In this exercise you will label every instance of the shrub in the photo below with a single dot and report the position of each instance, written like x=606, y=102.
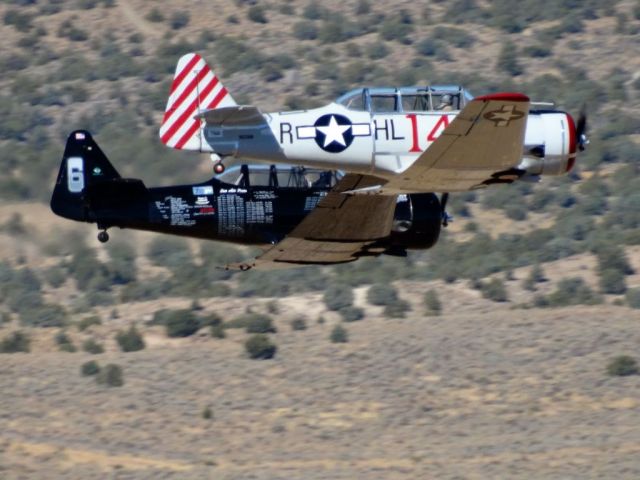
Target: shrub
x=397, y=309
x=612, y=281
x=257, y=323
x=217, y=331
x=572, y=291
x=494, y=290
x=339, y=334
x=508, y=60
x=207, y=414
x=179, y=20
x=131, y=340
x=259, y=346
x=15, y=342
x=181, y=323
x=623, y=365
x=256, y=14
x=88, y=322
x=337, y=297
x=432, y=302
x=382, y=294
x=210, y=320
x=90, y=368
x=64, y=342
x=633, y=297
x=298, y=324
x=351, y=314
x=155, y=15
x=92, y=347
x=110, y=375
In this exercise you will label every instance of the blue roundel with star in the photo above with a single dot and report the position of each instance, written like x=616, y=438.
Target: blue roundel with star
x=334, y=133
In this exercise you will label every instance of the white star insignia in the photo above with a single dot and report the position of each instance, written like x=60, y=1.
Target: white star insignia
x=334, y=132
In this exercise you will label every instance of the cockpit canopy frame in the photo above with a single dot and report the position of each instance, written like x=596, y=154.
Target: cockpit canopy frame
x=406, y=99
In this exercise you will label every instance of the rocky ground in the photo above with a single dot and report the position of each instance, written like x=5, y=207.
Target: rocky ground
x=490, y=393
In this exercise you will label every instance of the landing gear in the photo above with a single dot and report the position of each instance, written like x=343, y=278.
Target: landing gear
x=103, y=236
x=446, y=218
x=218, y=166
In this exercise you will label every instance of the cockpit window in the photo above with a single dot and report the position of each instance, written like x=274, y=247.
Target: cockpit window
x=415, y=103
x=384, y=103
x=355, y=101
x=291, y=176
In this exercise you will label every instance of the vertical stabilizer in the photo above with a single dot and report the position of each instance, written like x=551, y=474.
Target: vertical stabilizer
x=195, y=88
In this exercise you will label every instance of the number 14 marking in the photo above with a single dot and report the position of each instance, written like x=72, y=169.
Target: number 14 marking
x=435, y=132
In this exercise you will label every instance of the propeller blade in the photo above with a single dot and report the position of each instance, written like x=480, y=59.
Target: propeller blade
x=581, y=129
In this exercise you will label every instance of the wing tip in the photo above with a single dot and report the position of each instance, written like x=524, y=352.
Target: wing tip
x=504, y=97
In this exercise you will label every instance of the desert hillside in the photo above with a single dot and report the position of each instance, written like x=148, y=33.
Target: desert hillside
x=510, y=350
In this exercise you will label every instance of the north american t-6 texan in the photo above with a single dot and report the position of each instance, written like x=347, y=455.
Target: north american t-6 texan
x=357, y=177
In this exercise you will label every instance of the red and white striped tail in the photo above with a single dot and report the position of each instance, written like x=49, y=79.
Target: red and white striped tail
x=195, y=88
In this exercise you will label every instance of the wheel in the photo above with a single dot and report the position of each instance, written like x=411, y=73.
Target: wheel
x=103, y=237
x=218, y=168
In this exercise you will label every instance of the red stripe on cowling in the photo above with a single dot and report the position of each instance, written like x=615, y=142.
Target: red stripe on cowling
x=572, y=134
x=194, y=127
x=177, y=80
x=504, y=97
x=175, y=126
x=193, y=84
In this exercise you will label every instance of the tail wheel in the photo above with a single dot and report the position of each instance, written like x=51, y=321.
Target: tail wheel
x=103, y=236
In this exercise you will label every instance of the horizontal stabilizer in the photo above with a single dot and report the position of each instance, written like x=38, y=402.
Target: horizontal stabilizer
x=239, y=116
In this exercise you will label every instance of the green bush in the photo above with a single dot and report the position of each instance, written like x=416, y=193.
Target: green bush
x=633, y=297
x=179, y=20
x=218, y=331
x=92, y=347
x=256, y=14
x=131, y=340
x=210, y=320
x=64, y=342
x=181, y=323
x=336, y=297
x=339, y=334
x=397, y=309
x=382, y=294
x=432, y=303
x=259, y=346
x=351, y=314
x=494, y=290
x=572, y=291
x=207, y=413
x=299, y=323
x=612, y=281
x=88, y=322
x=90, y=368
x=623, y=365
x=15, y=342
x=111, y=376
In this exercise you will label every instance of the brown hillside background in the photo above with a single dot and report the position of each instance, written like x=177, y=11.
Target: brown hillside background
x=539, y=284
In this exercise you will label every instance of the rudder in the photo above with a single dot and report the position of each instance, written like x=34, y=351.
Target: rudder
x=83, y=165
x=195, y=88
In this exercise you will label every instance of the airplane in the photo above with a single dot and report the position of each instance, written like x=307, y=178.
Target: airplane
x=398, y=147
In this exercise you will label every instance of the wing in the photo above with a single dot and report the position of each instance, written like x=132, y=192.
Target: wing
x=482, y=145
x=338, y=230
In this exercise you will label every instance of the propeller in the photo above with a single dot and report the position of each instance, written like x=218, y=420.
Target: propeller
x=581, y=129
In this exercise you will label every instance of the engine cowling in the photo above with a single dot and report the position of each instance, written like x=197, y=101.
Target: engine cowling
x=550, y=143
x=417, y=221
